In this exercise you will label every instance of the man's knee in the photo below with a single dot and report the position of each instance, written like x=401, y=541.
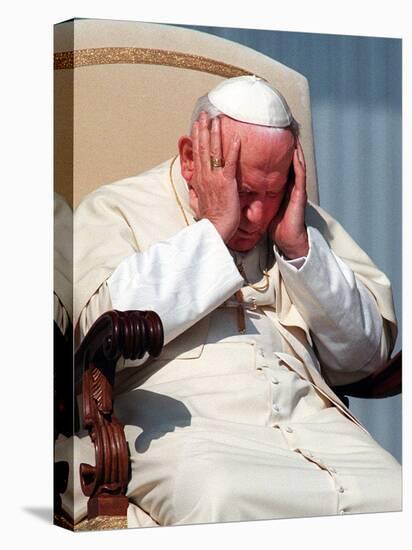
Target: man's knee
x=205, y=490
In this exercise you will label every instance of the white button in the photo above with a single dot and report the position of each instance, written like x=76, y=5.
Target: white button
x=275, y=408
x=289, y=429
x=341, y=511
x=259, y=368
x=275, y=380
x=341, y=489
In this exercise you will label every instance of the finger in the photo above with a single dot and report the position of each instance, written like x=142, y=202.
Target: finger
x=299, y=169
x=298, y=190
x=195, y=147
x=215, y=140
x=301, y=156
x=204, y=143
x=232, y=157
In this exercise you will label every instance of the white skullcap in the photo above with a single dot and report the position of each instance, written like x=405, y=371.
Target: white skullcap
x=251, y=99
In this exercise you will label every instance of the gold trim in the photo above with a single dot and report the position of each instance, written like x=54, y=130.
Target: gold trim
x=147, y=56
x=101, y=523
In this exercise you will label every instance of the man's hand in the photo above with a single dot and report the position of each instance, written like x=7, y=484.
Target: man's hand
x=213, y=191
x=288, y=228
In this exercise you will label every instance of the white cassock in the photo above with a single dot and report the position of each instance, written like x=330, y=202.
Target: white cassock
x=228, y=426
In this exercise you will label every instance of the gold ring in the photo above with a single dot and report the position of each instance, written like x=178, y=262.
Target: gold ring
x=216, y=163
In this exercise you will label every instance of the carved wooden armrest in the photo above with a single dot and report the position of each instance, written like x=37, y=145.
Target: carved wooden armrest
x=385, y=382
x=116, y=333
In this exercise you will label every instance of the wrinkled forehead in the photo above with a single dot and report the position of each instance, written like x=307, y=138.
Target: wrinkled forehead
x=254, y=138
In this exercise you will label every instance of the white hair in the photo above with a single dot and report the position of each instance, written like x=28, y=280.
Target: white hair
x=204, y=104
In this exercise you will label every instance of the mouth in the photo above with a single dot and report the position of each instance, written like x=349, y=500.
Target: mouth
x=247, y=234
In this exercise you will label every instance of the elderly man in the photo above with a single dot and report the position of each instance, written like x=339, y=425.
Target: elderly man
x=265, y=302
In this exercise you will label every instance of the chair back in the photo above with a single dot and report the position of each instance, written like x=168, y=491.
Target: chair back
x=124, y=94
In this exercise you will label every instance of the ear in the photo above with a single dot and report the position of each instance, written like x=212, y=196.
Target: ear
x=186, y=157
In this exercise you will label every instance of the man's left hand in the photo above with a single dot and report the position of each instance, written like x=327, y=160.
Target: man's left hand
x=288, y=229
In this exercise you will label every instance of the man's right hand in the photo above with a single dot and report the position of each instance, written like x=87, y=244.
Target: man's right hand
x=213, y=191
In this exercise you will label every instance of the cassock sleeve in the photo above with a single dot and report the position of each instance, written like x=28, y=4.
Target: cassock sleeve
x=182, y=279
x=351, y=338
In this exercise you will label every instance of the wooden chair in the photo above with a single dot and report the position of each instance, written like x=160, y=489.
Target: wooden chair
x=386, y=382
x=116, y=333
x=115, y=82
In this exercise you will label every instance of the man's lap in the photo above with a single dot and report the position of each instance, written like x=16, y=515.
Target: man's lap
x=213, y=472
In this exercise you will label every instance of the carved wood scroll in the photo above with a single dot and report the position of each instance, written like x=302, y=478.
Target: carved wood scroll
x=116, y=333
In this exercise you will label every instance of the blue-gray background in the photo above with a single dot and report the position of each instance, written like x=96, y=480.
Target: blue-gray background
x=356, y=94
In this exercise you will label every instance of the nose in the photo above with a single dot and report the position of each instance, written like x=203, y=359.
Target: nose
x=254, y=211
